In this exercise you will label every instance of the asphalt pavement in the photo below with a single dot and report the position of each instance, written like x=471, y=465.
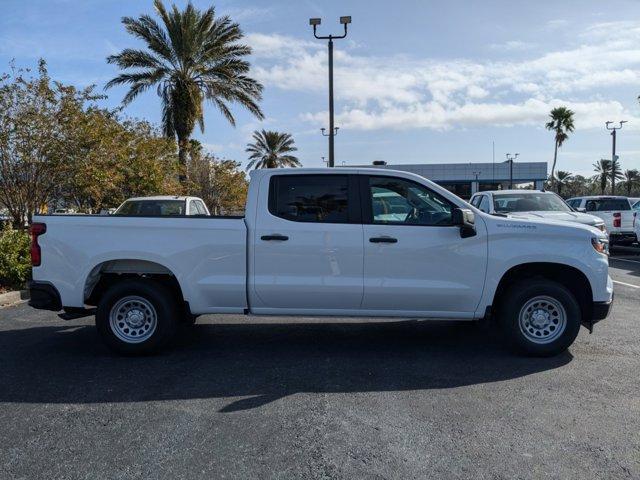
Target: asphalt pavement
x=289, y=398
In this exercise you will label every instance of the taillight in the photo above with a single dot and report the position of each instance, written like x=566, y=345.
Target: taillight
x=617, y=219
x=36, y=230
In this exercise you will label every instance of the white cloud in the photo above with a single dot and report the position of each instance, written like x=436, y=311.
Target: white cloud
x=512, y=45
x=401, y=92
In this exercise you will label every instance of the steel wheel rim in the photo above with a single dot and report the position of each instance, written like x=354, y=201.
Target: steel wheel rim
x=542, y=320
x=133, y=319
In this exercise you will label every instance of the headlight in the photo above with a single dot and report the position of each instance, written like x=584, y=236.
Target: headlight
x=600, y=245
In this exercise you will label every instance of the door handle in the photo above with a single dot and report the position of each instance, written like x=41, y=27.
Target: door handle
x=276, y=236
x=383, y=240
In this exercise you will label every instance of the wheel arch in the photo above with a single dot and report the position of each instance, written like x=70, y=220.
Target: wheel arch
x=108, y=272
x=570, y=277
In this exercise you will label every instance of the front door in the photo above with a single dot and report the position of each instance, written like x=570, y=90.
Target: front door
x=415, y=261
x=308, y=248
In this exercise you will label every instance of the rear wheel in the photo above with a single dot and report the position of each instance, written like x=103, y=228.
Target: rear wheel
x=540, y=317
x=136, y=317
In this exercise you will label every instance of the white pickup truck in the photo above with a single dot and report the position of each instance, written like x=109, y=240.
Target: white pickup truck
x=616, y=212
x=324, y=242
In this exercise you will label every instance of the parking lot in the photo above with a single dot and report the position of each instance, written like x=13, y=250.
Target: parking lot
x=294, y=398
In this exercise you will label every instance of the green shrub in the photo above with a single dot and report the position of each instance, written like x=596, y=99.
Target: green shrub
x=15, y=261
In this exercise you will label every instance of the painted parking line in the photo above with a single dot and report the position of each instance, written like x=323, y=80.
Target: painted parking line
x=627, y=284
x=624, y=260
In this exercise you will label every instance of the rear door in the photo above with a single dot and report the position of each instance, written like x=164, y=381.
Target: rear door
x=415, y=262
x=308, y=245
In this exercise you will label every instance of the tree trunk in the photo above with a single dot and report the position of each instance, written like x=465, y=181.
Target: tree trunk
x=183, y=150
x=553, y=167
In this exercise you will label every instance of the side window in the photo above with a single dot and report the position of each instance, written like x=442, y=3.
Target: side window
x=193, y=209
x=575, y=203
x=200, y=207
x=475, y=201
x=591, y=206
x=310, y=198
x=484, y=204
x=398, y=201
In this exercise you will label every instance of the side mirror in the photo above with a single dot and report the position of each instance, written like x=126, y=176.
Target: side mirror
x=465, y=220
x=581, y=210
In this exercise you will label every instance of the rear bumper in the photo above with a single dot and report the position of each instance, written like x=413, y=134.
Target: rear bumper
x=623, y=237
x=44, y=296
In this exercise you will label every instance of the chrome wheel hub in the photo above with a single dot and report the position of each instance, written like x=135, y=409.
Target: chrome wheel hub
x=542, y=319
x=133, y=319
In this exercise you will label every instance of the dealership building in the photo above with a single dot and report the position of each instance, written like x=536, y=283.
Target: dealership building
x=465, y=179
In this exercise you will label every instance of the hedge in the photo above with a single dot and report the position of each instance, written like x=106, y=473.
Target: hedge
x=15, y=261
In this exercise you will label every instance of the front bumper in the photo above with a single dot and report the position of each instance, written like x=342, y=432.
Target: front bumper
x=44, y=296
x=599, y=311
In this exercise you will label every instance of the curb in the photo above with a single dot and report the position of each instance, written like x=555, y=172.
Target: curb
x=10, y=298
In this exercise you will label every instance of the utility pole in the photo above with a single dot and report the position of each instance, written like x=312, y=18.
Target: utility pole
x=332, y=129
x=614, y=158
x=510, y=159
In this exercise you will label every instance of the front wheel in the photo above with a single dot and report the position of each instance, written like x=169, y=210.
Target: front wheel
x=136, y=317
x=540, y=317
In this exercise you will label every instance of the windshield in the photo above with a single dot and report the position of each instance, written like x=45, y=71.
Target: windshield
x=529, y=202
x=152, y=208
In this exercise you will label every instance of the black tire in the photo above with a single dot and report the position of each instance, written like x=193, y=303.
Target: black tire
x=188, y=319
x=164, y=306
x=517, y=297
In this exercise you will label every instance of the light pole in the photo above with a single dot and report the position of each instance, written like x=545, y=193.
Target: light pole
x=332, y=130
x=613, y=153
x=510, y=159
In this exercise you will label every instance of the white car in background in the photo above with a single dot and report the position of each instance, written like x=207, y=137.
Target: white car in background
x=163, y=206
x=532, y=204
x=615, y=211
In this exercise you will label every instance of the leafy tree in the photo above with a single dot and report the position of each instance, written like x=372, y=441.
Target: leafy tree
x=113, y=159
x=35, y=118
x=58, y=148
x=561, y=124
x=603, y=173
x=562, y=179
x=631, y=180
x=271, y=149
x=219, y=182
x=192, y=57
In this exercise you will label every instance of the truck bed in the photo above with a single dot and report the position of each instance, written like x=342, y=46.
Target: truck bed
x=206, y=255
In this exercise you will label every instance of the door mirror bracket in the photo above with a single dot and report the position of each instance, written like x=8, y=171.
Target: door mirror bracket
x=465, y=219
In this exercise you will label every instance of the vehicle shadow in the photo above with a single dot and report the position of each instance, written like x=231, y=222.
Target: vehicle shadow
x=259, y=362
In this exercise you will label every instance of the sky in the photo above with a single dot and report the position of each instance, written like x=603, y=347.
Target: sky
x=415, y=81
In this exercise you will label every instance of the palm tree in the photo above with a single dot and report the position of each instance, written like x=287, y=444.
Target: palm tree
x=192, y=57
x=562, y=178
x=603, y=170
x=562, y=124
x=270, y=150
x=616, y=174
x=631, y=180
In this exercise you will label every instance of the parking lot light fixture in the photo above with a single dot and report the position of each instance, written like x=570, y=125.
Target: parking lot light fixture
x=613, y=152
x=314, y=22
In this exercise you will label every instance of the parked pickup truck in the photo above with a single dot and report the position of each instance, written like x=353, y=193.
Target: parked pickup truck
x=531, y=204
x=324, y=242
x=616, y=212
